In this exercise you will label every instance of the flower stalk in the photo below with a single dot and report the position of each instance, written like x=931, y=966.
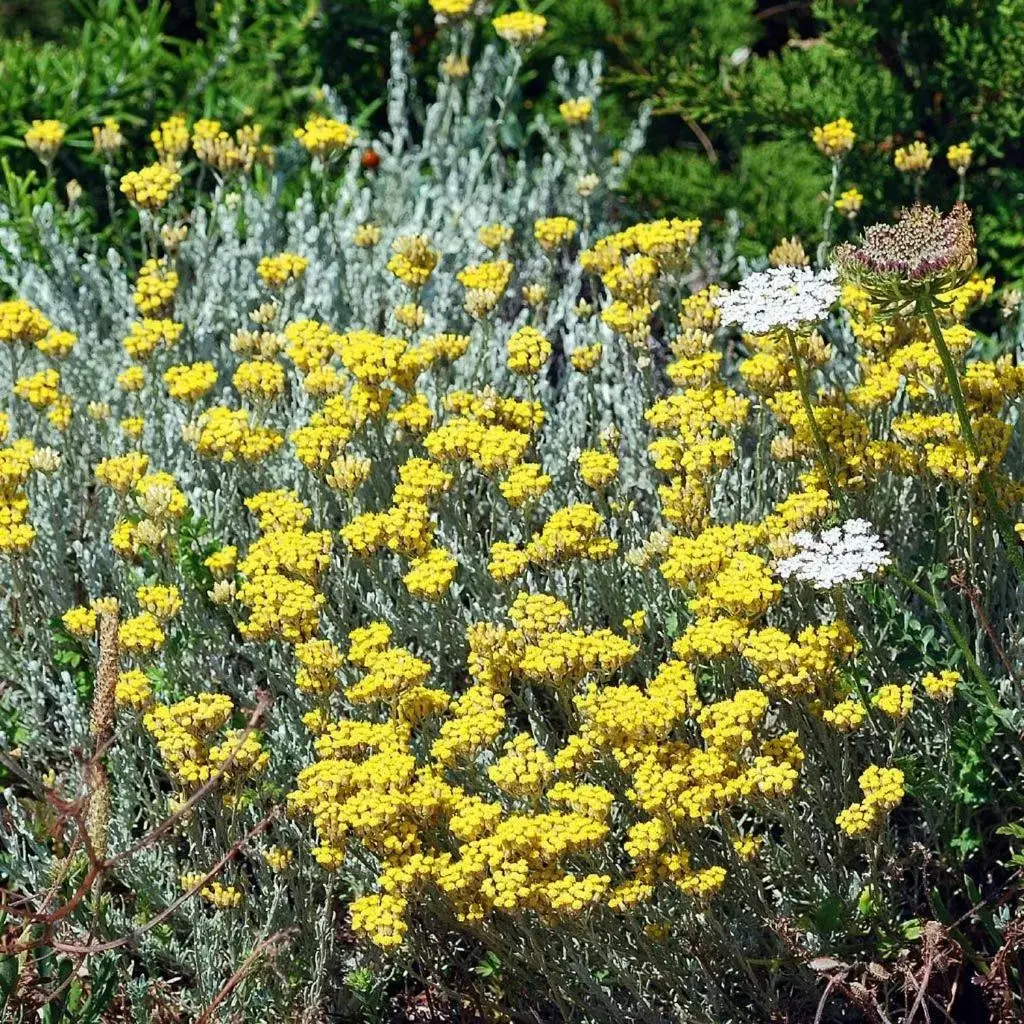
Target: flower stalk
x=926, y=309
x=819, y=438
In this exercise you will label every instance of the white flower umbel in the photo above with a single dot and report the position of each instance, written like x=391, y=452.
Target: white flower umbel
x=848, y=553
x=790, y=297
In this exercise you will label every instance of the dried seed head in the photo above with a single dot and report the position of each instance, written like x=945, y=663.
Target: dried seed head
x=97, y=818
x=923, y=253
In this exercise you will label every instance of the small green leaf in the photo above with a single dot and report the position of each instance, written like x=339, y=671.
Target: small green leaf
x=1012, y=829
x=489, y=967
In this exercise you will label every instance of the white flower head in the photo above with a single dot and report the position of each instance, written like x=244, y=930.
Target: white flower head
x=792, y=297
x=848, y=553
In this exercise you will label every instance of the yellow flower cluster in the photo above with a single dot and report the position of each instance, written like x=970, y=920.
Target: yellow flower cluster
x=630, y=264
x=122, y=472
x=158, y=497
x=552, y=232
x=80, y=621
x=485, y=284
x=57, y=344
x=107, y=138
x=141, y=635
x=413, y=260
x=668, y=242
x=576, y=111
x=155, y=287
x=598, y=469
x=431, y=575
x=941, y=686
x=632, y=282
x=162, y=602
x=520, y=27
x=491, y=449
x=913, y=158
x=282, y=569
x=528, y=351
x=411, y=315
x=40, y=390
x=171, y=139
x=896, y=357
x=184, y=734
x=834, y=139
x=494, y=236
x=222, y=562
x=883, y=790
x=524, y=482
x=452, y=9
x=278, y=858
x=366, y=236
x=45, y=138
x=220, y=896
x=570, y=533
x=229, y=434
x=323, y=137
x=190, y=382
x=16, y=466
x=960, y=156
x=850, y=202
x=147, y=335
x=215, y=147
x=894, y=701
x=133, y=690
x=277, y=271
x=150, y=188
x=259, y=379
x=21, y=322
x=586, y=357
x=807, y=665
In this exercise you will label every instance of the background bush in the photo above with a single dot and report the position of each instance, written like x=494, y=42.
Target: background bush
x=736, y=87
x=733, y=122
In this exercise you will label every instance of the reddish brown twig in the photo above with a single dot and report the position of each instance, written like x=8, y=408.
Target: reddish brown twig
x=269, y=944
x=103, y=947
x=958, y=577
x=76, y=810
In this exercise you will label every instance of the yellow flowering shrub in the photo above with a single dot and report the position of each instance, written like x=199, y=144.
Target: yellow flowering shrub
x=442, y=570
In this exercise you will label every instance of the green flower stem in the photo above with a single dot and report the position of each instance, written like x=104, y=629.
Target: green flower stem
x=826, y=227
x=816, y=434
x=926, y=308
x=939, y=607
x=932, y=600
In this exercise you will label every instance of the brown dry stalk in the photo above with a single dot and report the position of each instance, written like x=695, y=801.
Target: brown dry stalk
x=101, y=725
x=77, y=810
x=268, y=947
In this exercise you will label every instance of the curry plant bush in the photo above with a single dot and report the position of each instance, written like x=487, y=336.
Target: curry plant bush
x=425, y=595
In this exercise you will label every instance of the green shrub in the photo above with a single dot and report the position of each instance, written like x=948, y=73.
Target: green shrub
x=949, y=73
x=249, y=61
